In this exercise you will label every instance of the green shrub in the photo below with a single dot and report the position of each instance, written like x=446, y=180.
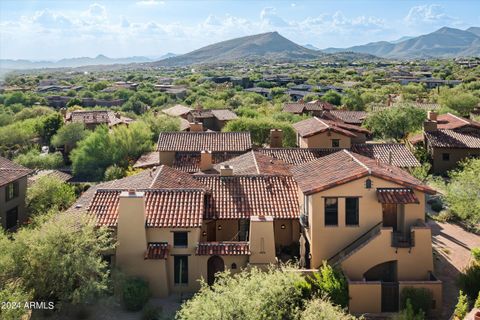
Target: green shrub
x=13, y=291
x=114, y=172
x=476, y=254
x=408, y=313
x=150, y=312
x=469, y=281
x=437, y=206
x=33, y=159
x=320, y=309
x=461, y=308
x=420, y=298
x=332, y=283
x=477, y=302
x=135, y=294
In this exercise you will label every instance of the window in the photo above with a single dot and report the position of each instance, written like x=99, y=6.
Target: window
x=12, y=218
x=351, y=211
x=11, y=191
x=243, y=229
x=446, y=156
x=180, y=239
x=180, y=272
x=331, y=211
x=335, y=143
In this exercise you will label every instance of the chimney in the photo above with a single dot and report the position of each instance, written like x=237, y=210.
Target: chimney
x=432, y=116
x=196, y=126
x=226, y=171
x=206, y=160
x=131, y=232
x=429, y=126
x=276, y=138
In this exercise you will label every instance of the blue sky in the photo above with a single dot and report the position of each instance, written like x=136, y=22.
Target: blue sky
x=58, y=29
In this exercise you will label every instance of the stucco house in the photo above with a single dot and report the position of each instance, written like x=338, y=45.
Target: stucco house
x=93, y=118
x=13, y=189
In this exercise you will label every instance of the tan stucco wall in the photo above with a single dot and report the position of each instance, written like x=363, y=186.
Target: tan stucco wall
x=326, y=241
x=291, y=233
x=166, y=157
x=262, y=242
x=16, y=202
x=365, y=297
x=456, y=155
x=324, y=140
x=434, y=286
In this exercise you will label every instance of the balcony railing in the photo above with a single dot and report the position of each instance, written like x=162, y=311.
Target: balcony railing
x=403, y=240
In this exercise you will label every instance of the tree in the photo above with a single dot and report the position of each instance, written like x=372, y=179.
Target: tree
x=13, y=291
x=74, y=102
x=114, y=172
x=321, y=309
x=332, y=283
x=461, y=102
x=69, y=135
x=352, y=100
x=461, y=308
x=161, y=123
x=33, y=159
x=395, y=123
x=60, y=259
x=332, y=97
x=49, y=125
x=49, y=193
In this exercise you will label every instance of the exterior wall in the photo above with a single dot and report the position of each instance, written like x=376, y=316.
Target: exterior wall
x=440, y=166
x=326, y=241
x=16, y=202
x=287, y=236
x=412, y=263
x=167, y=157
x=360, y=138
x=262, y=242
x=434, y=286
x=324, y=140
x=365, y=297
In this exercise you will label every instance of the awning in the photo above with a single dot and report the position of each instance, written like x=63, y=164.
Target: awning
x=223, y=248
x=396, y=195
x=157, y=250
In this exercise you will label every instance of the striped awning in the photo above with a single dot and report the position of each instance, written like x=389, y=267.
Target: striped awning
x=239, y=248
x=396, y=195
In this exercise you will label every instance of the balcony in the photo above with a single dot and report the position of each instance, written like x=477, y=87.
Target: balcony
x=403, y=240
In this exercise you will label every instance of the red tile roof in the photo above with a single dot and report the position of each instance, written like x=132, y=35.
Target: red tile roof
x=352, y=117
x=400, y=155
x=97, y=117
x=169, y=178
x=157, y=250
x=224, y=114
x=223, y=248
x=240, y=197
x=451, y=121
x=177, y=110
x=304, y=107
x=295, y=156
x=396, y=195
x=313, y=126
x=254, y=162
x=452, y=139
x=190, y=161
x=148, y=160
x=344, y=166
x=10, y=171
x=198, y=141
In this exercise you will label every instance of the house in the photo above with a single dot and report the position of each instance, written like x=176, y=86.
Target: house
x=178, y=92
x=173, y=228
x=449, y=139
x=396, y=154
x=348, y=117
x=297, y=95
x=178, y=110
x=367, y=218
x=13, y=189
x=315, y=108
x=93, y=118
x=322, y=133
x=214, y=119
x=266, y=93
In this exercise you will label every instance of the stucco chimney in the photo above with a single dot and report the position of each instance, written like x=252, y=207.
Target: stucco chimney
x=432, y=115
x=429, y=125
x=226, y=171
x=262, y=240
x=196, y=126
x=131, y=232
x=276, y=138
x=206, y=162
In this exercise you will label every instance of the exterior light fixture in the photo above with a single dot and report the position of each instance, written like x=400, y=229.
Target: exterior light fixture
x=368, y=184
x=204, y=233
x=283, y=226
x=219, y=227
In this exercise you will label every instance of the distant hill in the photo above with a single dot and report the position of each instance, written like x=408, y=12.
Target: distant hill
x=268, y=46
x=311, y=47
x=443, y=43
x=71, y=62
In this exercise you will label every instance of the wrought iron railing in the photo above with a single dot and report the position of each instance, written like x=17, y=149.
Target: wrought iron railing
x=403, y=240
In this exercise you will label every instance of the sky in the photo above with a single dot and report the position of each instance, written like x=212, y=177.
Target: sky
x=52, y=30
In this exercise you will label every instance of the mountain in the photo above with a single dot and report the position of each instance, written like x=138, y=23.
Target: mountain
x=401, y=39
x=69, y=63
x=311, y=47
x=266, y=46
x=443, y=43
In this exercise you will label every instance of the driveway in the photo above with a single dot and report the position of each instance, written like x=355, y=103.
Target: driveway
x=452, y=245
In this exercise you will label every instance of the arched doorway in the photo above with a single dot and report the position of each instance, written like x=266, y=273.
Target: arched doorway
x=215, y=264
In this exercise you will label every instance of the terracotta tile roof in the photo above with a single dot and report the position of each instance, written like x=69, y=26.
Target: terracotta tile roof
x=169, y=178
x=167, y=208
x=223, y=248
x=148, y=160
x=344, y=166
x=396, y=195
x=452, y=139
x=62, y=176
x=190, y=161
x=10, y=171
x=198, y=141
x=177, y=111
x=451, y=121
x=184, y=124
x=157, y=250
x=97, y=117
x=295, y=156
x=224, y=114
x=352, y=117
x=254, y=162
x=313, y=126
x=401, y=156
x=240, y=197
x=303, y=107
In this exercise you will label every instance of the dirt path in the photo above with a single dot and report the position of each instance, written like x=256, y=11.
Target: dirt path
x=452, y=245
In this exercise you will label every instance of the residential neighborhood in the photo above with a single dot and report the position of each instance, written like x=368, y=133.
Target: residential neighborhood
x=263, y=173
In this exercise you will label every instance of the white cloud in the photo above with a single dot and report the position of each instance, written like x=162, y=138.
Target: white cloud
x=431, y=14
x=270, y=17
x=48, y=19
x=150, y=3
